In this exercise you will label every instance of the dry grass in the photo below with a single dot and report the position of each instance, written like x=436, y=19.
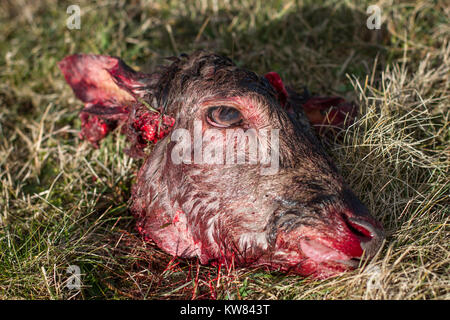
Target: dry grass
x=63, y=203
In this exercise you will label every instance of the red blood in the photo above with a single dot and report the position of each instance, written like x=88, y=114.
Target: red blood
x=93, y=128
x=153, y=127
x=276, y=82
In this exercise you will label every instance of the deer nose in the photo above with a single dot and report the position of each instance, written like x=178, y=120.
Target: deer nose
x=370, y=233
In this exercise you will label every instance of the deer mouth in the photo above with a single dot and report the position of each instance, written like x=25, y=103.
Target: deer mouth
x=322, y=254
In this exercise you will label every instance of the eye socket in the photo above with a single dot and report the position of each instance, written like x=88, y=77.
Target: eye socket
x=223, y=116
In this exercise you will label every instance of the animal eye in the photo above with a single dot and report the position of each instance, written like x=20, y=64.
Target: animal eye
x=223, y=117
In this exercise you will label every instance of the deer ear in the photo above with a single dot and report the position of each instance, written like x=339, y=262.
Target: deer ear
x=321, y=111
x=103, y=80
x=276, y=82
x=108, y=87
x=330, y=111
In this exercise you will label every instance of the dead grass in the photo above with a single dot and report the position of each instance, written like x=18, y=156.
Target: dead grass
x=63, y=203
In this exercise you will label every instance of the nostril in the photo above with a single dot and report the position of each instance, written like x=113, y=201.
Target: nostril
x=362, y=229
x=370, y=235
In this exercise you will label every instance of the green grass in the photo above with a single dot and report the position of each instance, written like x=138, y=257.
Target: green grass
x=64, y=203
